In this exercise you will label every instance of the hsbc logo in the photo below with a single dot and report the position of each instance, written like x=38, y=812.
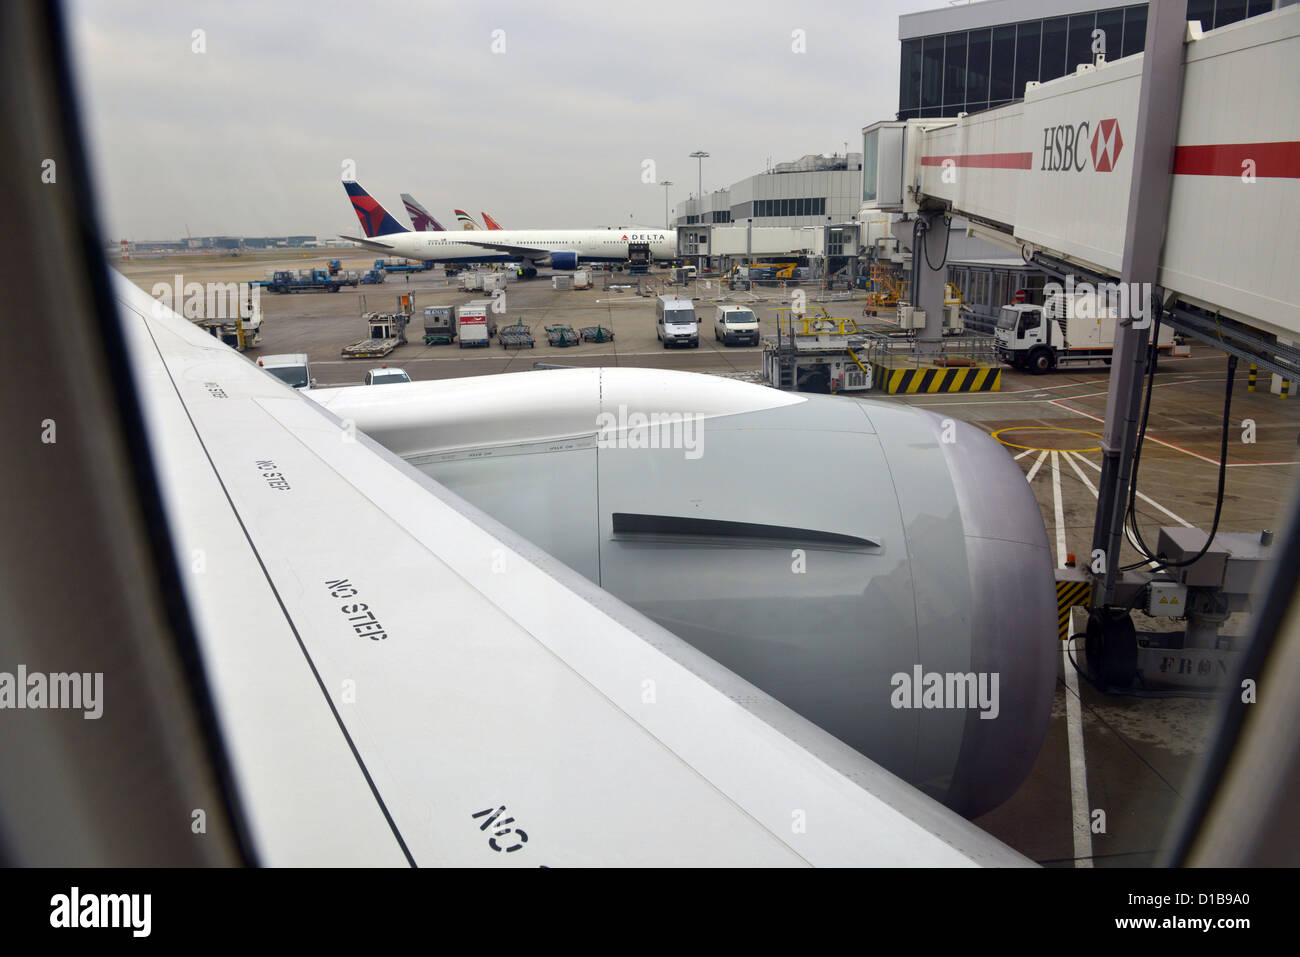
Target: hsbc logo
x=1070, y=148
x=1106, y=144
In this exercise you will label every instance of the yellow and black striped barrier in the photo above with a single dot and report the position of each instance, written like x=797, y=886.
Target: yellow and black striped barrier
x=937, y=379
x=1069, y=594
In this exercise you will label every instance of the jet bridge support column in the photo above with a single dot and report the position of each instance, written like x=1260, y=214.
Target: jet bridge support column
x=1148, y=208
x=927, y=235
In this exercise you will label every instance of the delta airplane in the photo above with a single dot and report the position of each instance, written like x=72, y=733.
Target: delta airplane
x=556, y=248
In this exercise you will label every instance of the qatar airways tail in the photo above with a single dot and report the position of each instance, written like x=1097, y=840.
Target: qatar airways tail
x=421, y=218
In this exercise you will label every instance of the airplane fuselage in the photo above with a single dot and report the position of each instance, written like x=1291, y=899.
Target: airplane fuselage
x=589, y=245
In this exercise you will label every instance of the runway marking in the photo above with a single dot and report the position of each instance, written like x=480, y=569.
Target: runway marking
x=1080, y=818
x=1146, y=498
x=1044, y=428
x=1034, y=471
x=1060, y=403
x=1024, y=453
x=1128, y=530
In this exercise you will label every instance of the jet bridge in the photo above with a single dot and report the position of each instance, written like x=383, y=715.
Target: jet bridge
x=1177, y=173
x=1053, y=174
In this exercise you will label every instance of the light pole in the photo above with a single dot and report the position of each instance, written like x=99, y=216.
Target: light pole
x=699, y=155
x=665, y=184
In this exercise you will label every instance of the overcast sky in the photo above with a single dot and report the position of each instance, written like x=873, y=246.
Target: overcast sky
x=250, y=136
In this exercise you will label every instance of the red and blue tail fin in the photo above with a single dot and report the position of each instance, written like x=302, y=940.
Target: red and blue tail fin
x=375, y=220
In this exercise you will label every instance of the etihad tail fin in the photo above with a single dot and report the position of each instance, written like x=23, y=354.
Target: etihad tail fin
x=466, y=220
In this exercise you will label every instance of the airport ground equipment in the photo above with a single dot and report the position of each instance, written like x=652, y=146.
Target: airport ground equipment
x=372, y=277
x=562, y=336
x=638, y=258
x=582, y=279
x=439, y=325
x=516, y=337
x=561, y=282
x=945, y=570
x=385, y=331
x=303, y=280
x=597, y=334
x=1109, y=176
x=334, y=266
x=1063, y=331
x=398, y=265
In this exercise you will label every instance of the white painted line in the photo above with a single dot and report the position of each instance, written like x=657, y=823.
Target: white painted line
x=1023, y=454
x=1128, y=530
x=1034, y=471
x=1059, y=507
x=1146, y=498
x=1079, y=816
x=1080, y=819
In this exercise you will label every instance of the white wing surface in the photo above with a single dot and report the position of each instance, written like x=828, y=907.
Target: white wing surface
x=400, y=680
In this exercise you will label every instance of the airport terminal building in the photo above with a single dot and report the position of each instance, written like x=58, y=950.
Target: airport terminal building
x=980, y=55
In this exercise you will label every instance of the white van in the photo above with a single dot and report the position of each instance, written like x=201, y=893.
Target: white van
x=735, y=325
x=290, y=368
x=675, y=322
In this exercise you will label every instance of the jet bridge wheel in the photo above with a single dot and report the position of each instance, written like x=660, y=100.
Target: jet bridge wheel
x=1111, y=647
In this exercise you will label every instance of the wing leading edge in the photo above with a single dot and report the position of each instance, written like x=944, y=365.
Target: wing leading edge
x=400, y=680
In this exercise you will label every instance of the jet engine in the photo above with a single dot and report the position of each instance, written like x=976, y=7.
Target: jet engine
x=879, y=570
x=564, y=260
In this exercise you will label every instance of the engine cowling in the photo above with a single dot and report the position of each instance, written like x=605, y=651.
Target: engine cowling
x=564, y=260
x=881, y=571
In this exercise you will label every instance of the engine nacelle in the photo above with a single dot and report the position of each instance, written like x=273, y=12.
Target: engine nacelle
x=882, y=572
x=564, y=260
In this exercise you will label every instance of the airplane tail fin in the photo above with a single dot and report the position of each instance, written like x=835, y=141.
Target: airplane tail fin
x=466, y=220
x=375, y=220
x=490, y=222
x=421, y=218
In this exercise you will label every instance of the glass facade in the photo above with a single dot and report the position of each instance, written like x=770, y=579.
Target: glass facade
x=972, y=70
x=815, y=206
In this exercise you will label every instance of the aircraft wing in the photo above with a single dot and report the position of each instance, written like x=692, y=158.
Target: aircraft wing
x=523, y=252
x=374, y=244
x=400, y=680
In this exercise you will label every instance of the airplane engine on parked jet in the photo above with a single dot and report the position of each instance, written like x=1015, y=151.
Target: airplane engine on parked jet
x=564, y=260
x=879, y=570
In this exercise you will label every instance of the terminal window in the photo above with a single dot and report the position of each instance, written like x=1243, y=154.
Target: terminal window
x=972, y=70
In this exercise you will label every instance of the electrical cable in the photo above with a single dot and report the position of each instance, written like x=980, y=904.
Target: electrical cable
x=1130, y=516
x=925, y=246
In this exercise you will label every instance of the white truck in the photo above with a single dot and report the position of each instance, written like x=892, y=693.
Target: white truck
x=290, y=368
x=582, y=279
x=735, y=325
x=1065, y=330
